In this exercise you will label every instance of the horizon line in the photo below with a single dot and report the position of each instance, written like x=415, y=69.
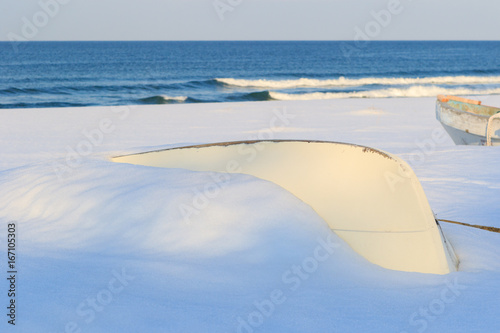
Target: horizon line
x=253, y=40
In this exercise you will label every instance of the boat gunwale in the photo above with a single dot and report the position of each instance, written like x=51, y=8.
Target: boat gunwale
x=365, y=149
x=446, y=105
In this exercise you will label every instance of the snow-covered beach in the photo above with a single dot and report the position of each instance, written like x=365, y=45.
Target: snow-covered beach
x=107, y=247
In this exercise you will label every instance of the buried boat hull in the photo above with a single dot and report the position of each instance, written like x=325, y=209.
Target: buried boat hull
x=466, y=120
x=371, y=199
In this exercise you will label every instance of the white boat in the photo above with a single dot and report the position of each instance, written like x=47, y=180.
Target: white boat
x=468, y=122
x=370, y=198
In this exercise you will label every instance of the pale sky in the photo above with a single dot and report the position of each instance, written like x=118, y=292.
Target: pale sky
x=249, y=19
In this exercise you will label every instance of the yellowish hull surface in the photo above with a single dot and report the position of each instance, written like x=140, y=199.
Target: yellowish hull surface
x=370, y=198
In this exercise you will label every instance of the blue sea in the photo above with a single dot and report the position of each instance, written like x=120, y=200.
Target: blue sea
x=63, y=74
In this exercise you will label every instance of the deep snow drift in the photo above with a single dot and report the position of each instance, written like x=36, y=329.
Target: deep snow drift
x=106, y=247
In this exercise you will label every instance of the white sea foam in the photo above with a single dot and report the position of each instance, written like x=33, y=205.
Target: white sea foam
x=342, y=81
x=415, y=91
x=174, y=98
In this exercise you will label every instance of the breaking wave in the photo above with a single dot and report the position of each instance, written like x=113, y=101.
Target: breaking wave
x=414, y=91
x=346, y=82
x=163, y=99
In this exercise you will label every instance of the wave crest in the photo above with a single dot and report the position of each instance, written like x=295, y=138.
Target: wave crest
x=163, y=99
x=415, y=91
x=345, y=82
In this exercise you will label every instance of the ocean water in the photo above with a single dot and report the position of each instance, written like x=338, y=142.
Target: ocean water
x=61, y=74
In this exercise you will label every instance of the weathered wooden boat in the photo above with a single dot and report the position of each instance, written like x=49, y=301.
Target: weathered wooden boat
x=368, y=197
x=468, y=122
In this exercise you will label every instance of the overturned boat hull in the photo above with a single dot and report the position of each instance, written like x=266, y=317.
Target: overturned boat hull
x=370, y=198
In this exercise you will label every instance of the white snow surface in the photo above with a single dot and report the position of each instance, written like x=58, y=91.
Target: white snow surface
x=107, y=247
